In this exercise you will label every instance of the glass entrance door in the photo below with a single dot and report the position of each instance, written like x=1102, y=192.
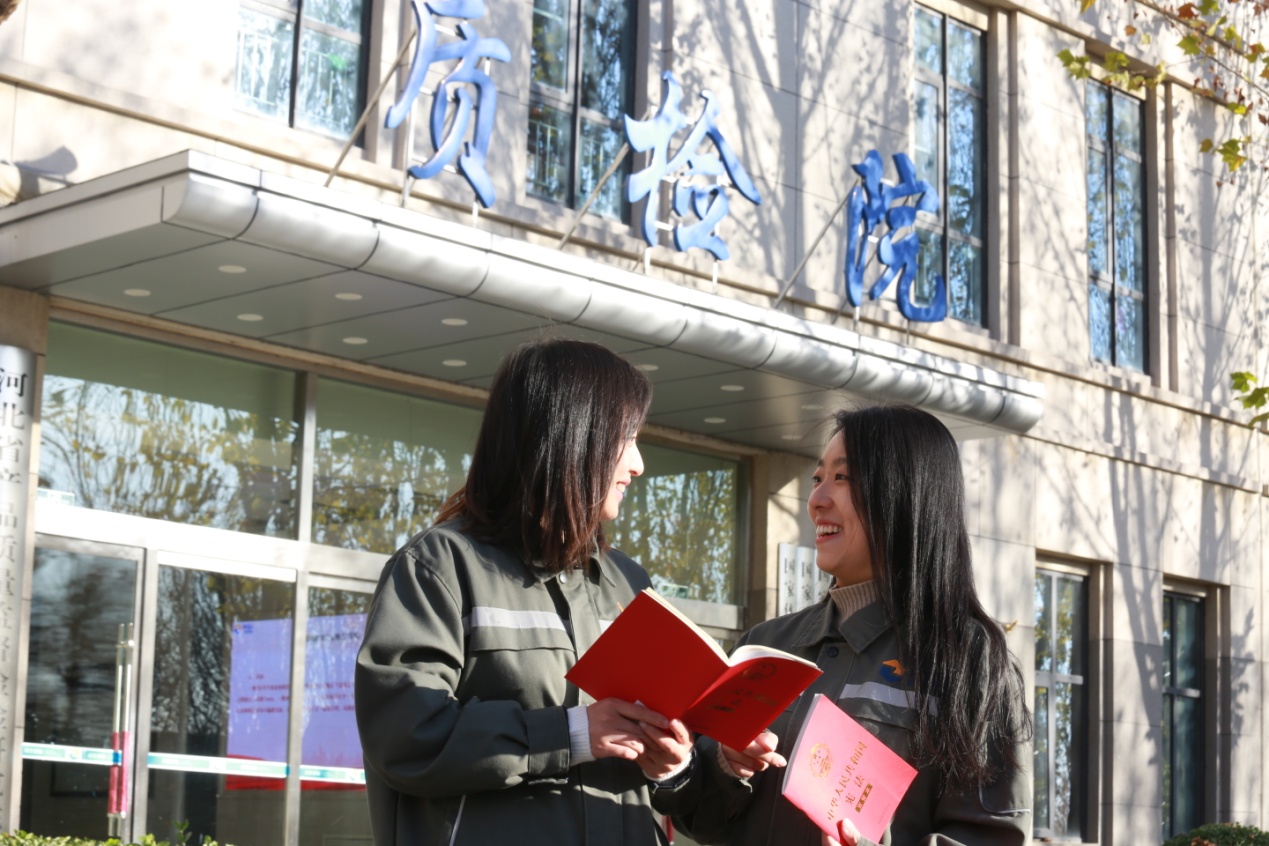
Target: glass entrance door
x=77, y=749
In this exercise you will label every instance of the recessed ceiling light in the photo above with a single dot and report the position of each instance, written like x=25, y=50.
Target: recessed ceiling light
x=715, y=419
x=349, y=296
x=810, y=406
x=232, y=268
x=454, y=362
x=733, y=388
x=355, y=341
x=136, y=292
x=453, y=321
x=251, y=318
x=648, y=368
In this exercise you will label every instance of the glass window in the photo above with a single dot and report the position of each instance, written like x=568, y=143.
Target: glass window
x=1183, y=747
x=681, y=521
x=141, y=428
x=384, y=463
x=220, y=713
x=1116, y=227
x=582, y=60
x=333, y=803
x=1061, y=733
x=79, y=605
x=950, y=146
x=303, y=62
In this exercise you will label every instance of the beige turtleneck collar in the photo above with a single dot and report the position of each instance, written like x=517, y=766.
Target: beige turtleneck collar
x=852, y=598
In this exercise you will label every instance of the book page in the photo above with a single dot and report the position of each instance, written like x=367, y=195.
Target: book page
x=753, y=651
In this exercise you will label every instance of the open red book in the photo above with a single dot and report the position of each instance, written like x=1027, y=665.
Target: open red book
x=653, y=654
x=839, y=769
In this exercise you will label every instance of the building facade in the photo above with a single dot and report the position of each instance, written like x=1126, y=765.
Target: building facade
x=245, y=337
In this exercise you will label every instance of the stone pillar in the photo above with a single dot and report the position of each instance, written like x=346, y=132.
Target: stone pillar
x=23, y=336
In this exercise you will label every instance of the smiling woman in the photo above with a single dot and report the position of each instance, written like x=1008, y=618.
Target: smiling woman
x=470, y=732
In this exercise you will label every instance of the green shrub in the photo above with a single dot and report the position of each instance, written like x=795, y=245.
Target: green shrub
x=25, y=838
x=1218, y=834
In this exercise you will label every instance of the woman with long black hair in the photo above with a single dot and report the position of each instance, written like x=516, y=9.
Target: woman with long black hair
x=906, y=648
x=471, y=734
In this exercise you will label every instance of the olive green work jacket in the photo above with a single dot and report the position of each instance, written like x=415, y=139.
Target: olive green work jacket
x=862, y=674
x=461, y=698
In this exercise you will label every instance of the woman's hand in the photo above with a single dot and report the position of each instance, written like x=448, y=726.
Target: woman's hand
x=756, y=757
x=615, y=730
x=667, y=749
x=847, y=835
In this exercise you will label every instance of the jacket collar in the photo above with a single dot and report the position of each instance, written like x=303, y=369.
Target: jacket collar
x=821, y=622
x=599, y=565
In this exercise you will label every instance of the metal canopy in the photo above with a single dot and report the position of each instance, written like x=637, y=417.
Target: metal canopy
x=205, y=242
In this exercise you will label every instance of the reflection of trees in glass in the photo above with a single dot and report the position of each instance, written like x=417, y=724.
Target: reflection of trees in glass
x=193, y=651
x=77, y=605
x=384, y=464
x=133, y=451
x=683, y=527
x=1059, y=702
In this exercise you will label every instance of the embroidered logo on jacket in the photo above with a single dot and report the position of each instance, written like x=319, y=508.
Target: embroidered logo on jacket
x=891, y=671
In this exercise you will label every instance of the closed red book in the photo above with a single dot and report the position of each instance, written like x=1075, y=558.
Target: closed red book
x=839, y=769
x=655, y=655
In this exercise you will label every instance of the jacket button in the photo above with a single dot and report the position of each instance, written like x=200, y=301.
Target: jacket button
x=832, y=652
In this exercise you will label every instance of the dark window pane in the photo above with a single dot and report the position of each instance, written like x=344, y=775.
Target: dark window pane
x=1043, y=625
x=384, y=463
x=1130, y=252
x=681, y=519
x=965, y=282
x=929, y=264
x=1068, y=722
x=1041, y=758
x=1187, y=771
x=345, y=14
x=599, y=146
x=607, y=57
x=549, y=53
x=1130, y=333
x=1168, y=662
x=262, y=77
x=1070, y=627
x=1099, y=322
x=1168, y=829
x=550, y=151
x=142, y=428
x=926, y=141
x=929, y=40
x=1098, y=215
x=330, y=83
x=964, y=55
x=1187, y=635
x=965, y=160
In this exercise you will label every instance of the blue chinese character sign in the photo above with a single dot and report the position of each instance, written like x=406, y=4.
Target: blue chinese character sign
x=467, y=51
x=868, y=205
x=707, y=201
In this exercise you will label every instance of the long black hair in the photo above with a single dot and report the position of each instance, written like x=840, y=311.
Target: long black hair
x=908, y=490
x=559, y=413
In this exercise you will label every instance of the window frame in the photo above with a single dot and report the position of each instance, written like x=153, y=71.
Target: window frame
x=294, y=15
x=1106, y=280
x=568, y=100
x=938, y=226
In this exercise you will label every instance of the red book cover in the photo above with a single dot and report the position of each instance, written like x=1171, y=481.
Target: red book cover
x=839, y=769
x=653, y=654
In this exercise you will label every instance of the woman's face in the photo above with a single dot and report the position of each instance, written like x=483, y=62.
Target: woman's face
x=629, y=465
x=841, y=546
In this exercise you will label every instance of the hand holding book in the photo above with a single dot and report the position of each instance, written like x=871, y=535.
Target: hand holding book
x=655, y=655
